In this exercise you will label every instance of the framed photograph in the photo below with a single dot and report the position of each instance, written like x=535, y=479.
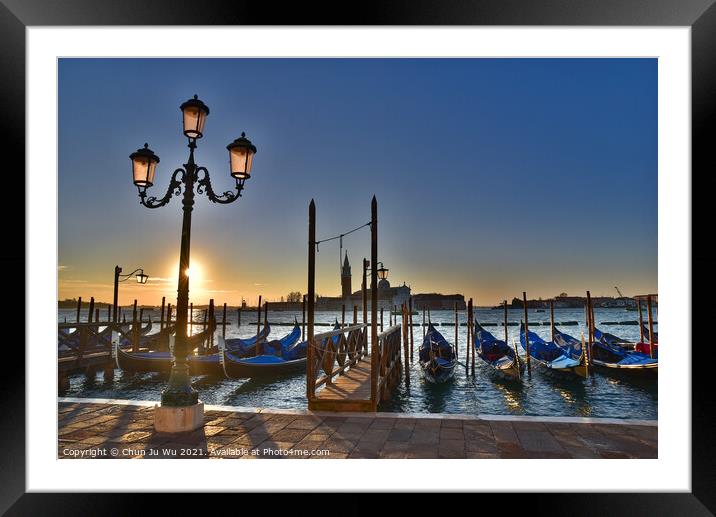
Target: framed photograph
x=437, y=240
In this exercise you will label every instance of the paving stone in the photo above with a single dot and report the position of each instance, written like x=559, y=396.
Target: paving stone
x=510, y=450
x=450, y=453
x=338, y=445
x=401, y=435
x=383, y=423
x=449, y=423
x=486, y=446
x=528, y=426
x=377, y=435
x=425, y=437
x=290, y=435
x=304, y=423
x=504, y=432
x=481, y=455
x=541, y=441
x=451, y=434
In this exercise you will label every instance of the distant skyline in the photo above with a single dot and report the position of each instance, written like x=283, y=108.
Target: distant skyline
x=493, y=176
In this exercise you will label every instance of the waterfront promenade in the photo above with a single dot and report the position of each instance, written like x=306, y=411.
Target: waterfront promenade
x=95, y=428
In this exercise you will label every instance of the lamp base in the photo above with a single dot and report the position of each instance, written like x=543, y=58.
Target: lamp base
x=178, y=419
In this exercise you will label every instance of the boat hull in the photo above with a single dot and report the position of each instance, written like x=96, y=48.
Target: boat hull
x=244, y=369
x=437, y=375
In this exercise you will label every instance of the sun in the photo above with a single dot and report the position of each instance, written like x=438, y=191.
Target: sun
x=196, y=274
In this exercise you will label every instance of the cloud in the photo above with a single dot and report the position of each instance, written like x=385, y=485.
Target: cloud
x=63, y=268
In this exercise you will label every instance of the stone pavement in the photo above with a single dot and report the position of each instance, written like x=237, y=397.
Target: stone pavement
x=116, y=430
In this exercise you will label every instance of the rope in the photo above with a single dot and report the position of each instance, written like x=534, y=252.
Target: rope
x=340, y=236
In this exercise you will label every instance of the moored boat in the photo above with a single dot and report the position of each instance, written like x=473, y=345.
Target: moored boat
x=498, y=354
x=610, y=358
x=548, y=354
x=437, y=357
x=285, y=355
x=161, y=361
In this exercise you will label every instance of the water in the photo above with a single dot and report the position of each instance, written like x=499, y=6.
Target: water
x=538, y=394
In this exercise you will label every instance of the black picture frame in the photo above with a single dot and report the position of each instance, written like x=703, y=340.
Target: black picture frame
x=700, y=15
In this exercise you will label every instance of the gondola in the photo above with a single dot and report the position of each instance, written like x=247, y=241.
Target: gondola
x=612, y=358
x=612, y=340
x=549, y=354
x=437, y=357
x=246, y=347
x=69, y=342
x=152, y=361
x=276, y=357
x=498, y=354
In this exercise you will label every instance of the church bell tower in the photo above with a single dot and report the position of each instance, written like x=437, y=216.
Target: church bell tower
x=346, y=278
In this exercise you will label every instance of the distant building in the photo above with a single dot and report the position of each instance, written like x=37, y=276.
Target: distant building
x=437, y=302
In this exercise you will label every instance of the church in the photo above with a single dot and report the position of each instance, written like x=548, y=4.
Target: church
x=388, y=297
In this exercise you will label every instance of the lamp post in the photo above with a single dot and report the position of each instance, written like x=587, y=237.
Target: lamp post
x=119, y=277
x=382, y=274
x=179, y=392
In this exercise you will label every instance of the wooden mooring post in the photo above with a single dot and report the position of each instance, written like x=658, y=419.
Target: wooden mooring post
x=364, y=292
x=135, y=329
x=527, y=331
x=258, y=321
x=651, y=326
x=303, y=319
x=423, y=322
x=96, y=315
x=381, y=319
x=374, y=301
x=590, y=333
x=410, y=319
x=355, y=315
x=641, y=321
x=238, y=318
x=310, y=386
x=191, y=318
x=551, y=319
x=470, y=336
x=169, y=314
x=79, y=307
x=223, y=323
x=406, y=345
x=90, y=310
x=456, y=329
x=161, y=315
x=507, y=342
x=343, y=315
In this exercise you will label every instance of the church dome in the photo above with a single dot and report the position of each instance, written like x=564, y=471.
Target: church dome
x=383, y=284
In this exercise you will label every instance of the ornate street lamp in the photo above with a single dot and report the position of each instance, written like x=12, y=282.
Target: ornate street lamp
x=179, y=392
x=382, y=271
x=119, y=277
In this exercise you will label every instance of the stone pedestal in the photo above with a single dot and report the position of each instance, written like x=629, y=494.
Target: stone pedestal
x=170, y=419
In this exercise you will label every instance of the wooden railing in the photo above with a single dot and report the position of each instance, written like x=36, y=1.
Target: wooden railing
x=387, y=363
x=328, y=356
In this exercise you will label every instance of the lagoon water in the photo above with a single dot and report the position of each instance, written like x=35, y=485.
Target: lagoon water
x=537, y=394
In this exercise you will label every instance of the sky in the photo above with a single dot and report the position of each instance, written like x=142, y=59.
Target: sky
x=493, y=176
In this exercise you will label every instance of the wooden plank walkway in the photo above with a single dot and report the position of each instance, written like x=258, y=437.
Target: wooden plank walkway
x=348, y=392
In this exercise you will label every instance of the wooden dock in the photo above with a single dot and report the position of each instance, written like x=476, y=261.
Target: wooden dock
x=350, y=391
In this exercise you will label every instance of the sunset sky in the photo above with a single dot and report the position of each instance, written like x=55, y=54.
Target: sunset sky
x=493, y=176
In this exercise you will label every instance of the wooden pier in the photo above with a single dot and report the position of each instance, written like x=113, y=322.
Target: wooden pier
x=342, y=373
